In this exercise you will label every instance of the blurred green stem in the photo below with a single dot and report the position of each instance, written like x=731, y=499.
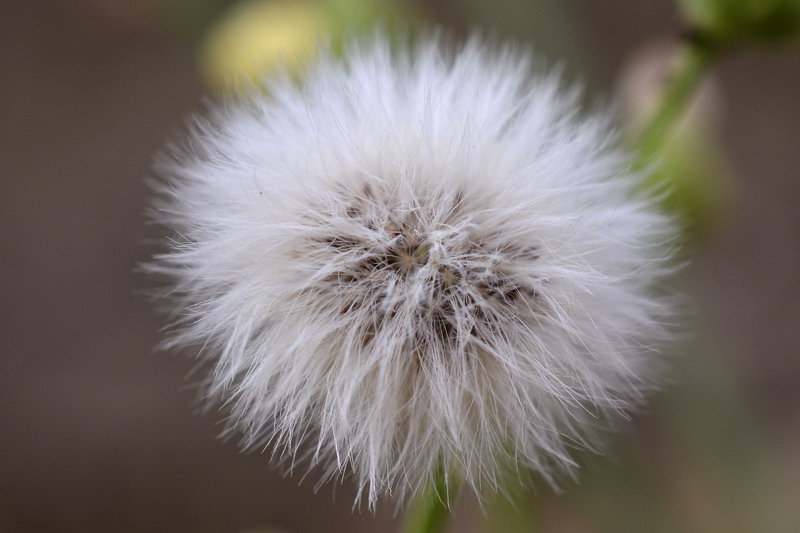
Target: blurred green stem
x=430, y=511
x=696, y=58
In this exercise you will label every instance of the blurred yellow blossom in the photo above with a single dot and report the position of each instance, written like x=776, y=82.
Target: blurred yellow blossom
x=258, y=38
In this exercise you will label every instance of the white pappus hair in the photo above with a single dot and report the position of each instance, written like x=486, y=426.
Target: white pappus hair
x=416, y=260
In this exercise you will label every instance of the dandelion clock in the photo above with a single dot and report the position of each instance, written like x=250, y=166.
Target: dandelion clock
x=415, y=262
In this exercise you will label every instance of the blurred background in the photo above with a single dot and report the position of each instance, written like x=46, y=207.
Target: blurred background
x=100, y=433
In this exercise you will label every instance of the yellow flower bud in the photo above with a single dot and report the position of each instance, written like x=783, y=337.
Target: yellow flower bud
x=258, y=38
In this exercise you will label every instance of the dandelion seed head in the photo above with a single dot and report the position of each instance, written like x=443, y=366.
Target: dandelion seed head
x=416, y=259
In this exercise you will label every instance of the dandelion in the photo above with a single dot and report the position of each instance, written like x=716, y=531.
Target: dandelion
x=416, y=261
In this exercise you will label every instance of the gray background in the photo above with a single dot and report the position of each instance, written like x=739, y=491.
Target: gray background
x=99, y=432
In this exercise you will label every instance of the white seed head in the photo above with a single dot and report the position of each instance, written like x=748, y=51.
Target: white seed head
x=416, y=259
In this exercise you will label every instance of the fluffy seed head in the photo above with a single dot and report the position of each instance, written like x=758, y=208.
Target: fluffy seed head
x=416, y=259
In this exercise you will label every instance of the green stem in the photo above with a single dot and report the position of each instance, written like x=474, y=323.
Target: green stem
x=694, y=62
x=430, y=511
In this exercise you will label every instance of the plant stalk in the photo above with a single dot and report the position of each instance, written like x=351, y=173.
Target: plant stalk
x=695, y=60
x=430, y=511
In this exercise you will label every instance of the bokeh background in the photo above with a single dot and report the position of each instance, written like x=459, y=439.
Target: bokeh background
x=99, y=433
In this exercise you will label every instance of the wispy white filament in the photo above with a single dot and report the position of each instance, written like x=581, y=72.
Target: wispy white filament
x=415, y=259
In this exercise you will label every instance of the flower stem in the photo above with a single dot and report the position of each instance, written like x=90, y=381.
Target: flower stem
x=430, y=511
x=696, y=58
